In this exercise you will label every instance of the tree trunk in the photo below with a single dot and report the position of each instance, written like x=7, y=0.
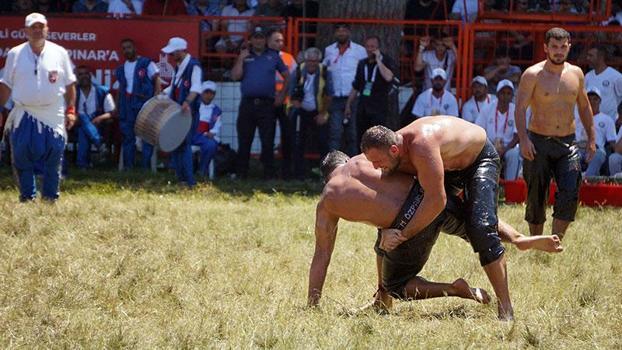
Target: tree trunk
x=389, y=34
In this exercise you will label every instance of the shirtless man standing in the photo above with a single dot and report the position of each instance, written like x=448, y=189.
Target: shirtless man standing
x=552, y=88
x=355, y=191
x=448, y=155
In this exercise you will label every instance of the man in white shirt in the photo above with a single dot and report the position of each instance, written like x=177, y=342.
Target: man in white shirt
x=125, y=7
x=342, y=58
x=436, y=100
x=607, y=79
x=615, y=159
x=479, y=101
x=38, y=76
x=236, y=27
x=605, y=130
x=441, y=55
x=95, y=105
x=498, y=121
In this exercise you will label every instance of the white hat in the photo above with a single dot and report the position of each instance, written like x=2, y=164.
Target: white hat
x=439, y=72
x=35, y=17
x=594, y=90
x=505, y=83
x=480, y=80
x=175, y=44
x=208, y=85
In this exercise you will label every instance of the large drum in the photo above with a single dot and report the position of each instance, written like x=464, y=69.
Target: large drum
x=162, y=123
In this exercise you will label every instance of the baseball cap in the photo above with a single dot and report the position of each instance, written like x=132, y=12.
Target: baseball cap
x=258, y=31
x=175, y=44
x=439, y=72
x=208, y=85
x=594, y=90
x=505, y=83
x=480, y=80
x=35, y=17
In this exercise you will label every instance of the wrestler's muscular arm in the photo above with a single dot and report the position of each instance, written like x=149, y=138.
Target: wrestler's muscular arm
x=523, y=99
x=585, y=113
x=325, y=234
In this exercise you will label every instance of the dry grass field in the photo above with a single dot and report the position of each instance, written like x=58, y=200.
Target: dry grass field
x=126, y=261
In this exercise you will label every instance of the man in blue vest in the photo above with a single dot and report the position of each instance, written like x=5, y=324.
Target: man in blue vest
x=184, y=89
x=139, y=80
x=94, y=105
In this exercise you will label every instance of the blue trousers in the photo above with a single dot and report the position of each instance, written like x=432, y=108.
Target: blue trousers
x=127, y=121
x=34, y=145
x=208, y=147
x=342, y=136
x=181, y=158
x=88, y=135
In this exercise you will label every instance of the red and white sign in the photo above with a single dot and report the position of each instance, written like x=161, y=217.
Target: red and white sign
x=96, y=42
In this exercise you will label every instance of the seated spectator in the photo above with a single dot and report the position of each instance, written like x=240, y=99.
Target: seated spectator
x=436, y=100
x=207, y=135
x=23, y=6
x=164, y=7
x=90, y=6
x=479, y=101
x=468, y=14
x=205, y=8
x=272, y=8
x=605, y=131
x=236, y=27
x=125, y=7
x=607, y=79
x=615, y=159
x=498, y=121
x=502, y=69
x=441, y=55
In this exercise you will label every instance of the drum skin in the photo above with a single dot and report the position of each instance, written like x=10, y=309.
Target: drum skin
x=162, y=123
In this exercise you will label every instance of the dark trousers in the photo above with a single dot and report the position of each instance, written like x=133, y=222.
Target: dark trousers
x=303, y=128
x=366, y=119
x=287, y=140
x=256, y=113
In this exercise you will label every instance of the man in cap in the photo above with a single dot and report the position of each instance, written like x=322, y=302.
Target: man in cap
x=207, y=135
x=139, y=80
x=498, y=121
x=605, y=130
x=479, y=100
x=184, y=89
x=607, y=79
x=38, y=76
x=436, y=100
x=257, y=67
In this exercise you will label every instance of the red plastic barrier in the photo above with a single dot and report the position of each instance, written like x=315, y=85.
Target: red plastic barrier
x=589, y=194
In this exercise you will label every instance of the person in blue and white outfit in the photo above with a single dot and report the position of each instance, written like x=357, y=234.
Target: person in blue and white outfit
x=95, y=105
x=479, y=100
x=207, y=136
x=38, y=76
x=139, y=80
x=184, y=89
x=498, y=121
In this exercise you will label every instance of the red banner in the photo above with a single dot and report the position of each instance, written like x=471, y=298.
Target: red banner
x=95, y=42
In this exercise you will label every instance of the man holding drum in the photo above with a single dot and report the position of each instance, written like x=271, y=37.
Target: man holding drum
x=184, y=89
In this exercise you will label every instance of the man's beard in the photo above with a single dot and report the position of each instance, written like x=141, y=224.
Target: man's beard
x=394, y=166
x=554, y=61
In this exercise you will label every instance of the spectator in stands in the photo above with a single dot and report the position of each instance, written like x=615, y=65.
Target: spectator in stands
x=502, y=69
x=94, y=106
x=500, y=125
x=442, y=55
x=468, y=14
x=125, y=7
x=139, y=80
x=276, y=41
x=184, y=89
x=235, y=27
x=23, y=6
x=342, y=58
x=207, y=136
x=480, y=100
x=605, y=130
x=615, y=159
x=295, y=9
x=205, y=8
x=607, y=79
x=164, y=7
x=436, y=100
x=311, y=90
x=257, y=67
x=372, y=84
x=272, y=8
x=90, y=6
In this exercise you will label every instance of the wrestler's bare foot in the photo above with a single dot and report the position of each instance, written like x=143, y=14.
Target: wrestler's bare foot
x=465, y=291
x=382, y=301
x=551, y=244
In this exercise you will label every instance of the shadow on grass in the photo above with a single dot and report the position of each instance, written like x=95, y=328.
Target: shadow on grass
x=108, y=181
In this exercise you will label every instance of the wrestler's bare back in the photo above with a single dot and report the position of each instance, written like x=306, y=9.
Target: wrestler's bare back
x=552, y=98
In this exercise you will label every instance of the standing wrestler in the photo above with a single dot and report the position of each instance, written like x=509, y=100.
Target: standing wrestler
x=552, y=88
x=38, y=76
x=448, y=155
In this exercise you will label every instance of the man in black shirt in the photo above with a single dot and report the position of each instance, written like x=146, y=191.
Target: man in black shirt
x=373, y=81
